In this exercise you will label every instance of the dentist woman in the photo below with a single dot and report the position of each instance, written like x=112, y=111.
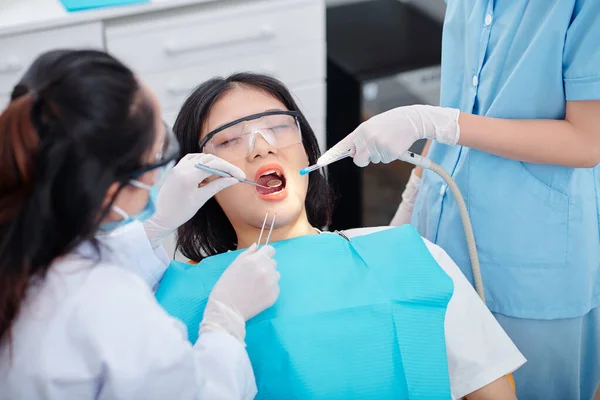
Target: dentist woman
x=82, y=150
x=519, y=131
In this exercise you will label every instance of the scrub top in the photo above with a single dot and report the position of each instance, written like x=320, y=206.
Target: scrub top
x=536, y=226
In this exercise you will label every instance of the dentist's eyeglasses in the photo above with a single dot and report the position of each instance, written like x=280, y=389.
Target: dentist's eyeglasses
x=165, y=158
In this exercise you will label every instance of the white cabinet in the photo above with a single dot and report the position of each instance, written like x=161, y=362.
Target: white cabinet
x=175, y=45
x=195, y=36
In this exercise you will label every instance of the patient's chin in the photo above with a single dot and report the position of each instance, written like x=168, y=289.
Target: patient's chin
x=286, y=212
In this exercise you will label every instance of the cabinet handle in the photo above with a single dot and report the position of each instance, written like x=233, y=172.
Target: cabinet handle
x=264, y=33
x=11, y=65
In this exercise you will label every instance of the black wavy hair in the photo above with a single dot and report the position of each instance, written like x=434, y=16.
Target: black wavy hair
x=77, y=123
x=209, y=232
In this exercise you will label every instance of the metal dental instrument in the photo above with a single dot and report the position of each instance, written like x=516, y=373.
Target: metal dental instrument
x=271, y=230
x=228, y=175
x=263, y=229
x=315, y=167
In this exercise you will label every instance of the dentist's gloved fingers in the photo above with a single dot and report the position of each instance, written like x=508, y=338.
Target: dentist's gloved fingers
x=366, y=151
x=387, y=136
x=266, y=252
x=215, y=162
x=191, y=159
x=215, y=186
x=362, y=158
x=341, y=148
x=182, y=195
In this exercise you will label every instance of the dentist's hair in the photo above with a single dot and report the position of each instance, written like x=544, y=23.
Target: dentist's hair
x=77, y=123
x=209, y=232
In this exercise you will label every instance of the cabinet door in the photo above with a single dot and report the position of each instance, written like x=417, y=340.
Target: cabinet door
x=213, y=32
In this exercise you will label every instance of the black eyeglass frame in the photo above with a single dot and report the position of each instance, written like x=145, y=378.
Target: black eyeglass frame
x=171, y=146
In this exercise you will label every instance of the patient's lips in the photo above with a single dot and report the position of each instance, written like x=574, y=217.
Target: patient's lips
x=272, y=176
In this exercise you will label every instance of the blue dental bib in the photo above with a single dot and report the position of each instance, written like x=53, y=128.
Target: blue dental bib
x=356, y=319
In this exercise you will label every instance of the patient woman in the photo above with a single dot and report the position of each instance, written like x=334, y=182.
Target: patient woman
x=376, y=313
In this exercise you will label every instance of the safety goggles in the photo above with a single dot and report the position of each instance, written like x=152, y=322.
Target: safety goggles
x=236, y=139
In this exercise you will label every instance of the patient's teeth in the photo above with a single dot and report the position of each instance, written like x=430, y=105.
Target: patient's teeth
x=279, y=174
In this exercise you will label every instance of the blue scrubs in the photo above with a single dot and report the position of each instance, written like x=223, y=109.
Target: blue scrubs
x=537, y=226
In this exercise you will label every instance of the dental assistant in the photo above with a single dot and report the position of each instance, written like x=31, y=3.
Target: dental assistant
x=82, y=150
x=519, y=131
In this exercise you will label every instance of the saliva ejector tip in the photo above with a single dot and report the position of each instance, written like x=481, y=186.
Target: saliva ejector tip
x=315, y=167
x=310, y=169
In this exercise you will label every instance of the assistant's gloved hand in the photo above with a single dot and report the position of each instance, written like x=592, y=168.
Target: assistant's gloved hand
x=180, y=196
x=246, y=288
x=389, y=135
x=409, y=196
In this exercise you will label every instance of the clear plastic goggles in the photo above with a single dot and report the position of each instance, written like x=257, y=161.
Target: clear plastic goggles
x=236, y=139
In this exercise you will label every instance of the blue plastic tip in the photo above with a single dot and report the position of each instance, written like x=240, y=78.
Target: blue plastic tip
x=304, y=171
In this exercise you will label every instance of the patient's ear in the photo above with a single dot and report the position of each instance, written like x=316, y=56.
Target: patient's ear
x=110, y=193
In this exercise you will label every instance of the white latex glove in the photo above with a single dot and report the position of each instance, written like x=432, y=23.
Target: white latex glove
x=246, y=288
x=409, y=196
x=180, y=197
x=387, y=136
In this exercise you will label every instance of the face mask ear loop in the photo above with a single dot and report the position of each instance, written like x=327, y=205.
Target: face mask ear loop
x=120, y=211
x=137, y=184
x=140, y=185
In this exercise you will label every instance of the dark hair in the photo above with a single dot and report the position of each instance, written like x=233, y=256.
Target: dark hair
x=77, y=123
x=209, y=232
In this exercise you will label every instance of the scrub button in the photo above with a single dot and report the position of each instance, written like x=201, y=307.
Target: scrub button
x=443, y=190
x=488, y=20
x=475, y=80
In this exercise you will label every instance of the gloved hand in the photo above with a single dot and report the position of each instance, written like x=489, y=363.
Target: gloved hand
x=389, y=135
x=409, y=196
x=180, y=196
x=246, y=288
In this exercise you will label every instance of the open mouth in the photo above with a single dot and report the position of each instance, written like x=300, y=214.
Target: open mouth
x=273, y=178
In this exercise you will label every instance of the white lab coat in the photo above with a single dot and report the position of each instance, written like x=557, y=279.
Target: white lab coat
x=93, y=330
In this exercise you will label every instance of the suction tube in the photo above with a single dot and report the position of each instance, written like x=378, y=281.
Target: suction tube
x=423, y=162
